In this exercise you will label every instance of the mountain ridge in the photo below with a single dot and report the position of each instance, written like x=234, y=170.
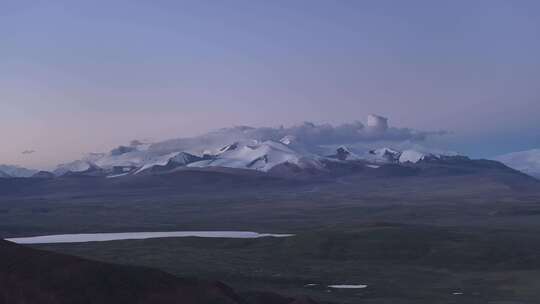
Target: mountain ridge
x=526, y=161
x=303, y=150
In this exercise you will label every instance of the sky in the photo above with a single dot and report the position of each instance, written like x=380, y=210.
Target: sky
x=85, y=76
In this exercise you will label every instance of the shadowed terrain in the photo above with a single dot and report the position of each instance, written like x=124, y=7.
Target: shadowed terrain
x=433, y=232
x=35, y=276
x=399, y=263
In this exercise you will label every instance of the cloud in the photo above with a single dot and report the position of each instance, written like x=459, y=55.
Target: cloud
x=136, y=143
x=123, y=150
x=28, y=152
x=377, y=129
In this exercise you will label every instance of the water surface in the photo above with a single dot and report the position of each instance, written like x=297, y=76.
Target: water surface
x=346, y=286
x=103, y=237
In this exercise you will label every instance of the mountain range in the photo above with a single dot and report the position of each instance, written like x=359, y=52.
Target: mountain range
x=307, y=149
x=266, y=156
x=289, y=180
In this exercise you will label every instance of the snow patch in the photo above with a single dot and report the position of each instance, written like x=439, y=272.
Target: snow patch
x=288, y=139
x=524, y=161
x=411, y=156
x=348, y=286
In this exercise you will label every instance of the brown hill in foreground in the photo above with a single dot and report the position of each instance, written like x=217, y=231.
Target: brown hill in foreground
x=41, y=277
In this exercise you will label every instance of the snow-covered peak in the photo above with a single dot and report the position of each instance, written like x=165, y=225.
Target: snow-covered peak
x=230, y=147
x=382, y=155
x=175, y=159
x=16, y=171
x=74, y=166
x=262, y=157
x=344, y=153
x=260, y=148
x=242, y=154
x=384, y=151
x=411, y=156
x=525, y=161
x=288, y=139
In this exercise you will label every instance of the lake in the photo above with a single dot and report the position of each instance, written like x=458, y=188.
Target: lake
x=103, y=237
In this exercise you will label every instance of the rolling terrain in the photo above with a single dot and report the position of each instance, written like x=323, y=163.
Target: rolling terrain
x=35, y=276
x=446, y=230
x=398, y=263
x=392, y=225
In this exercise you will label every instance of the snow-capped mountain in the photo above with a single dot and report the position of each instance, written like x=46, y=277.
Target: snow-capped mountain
x=172, y=160
x=16, y=171
x=386, y=155
x=343, y=153
x=260, y=156
x=74, y=166
x=307, y=146
x=383, y=155
x=413, y=156
x=524, y=161
x=250, y=155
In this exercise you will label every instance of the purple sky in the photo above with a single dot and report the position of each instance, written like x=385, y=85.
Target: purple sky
x=83, y=76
